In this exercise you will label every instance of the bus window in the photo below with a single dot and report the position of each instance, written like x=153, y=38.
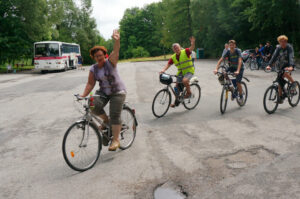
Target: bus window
x=40, y=50
x=76, y=49
x=46, y=50
x=53, y=50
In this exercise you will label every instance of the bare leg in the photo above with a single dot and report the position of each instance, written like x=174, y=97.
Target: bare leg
x=115, y=144
x=288, y=76
x=105, y=119
x=279, y=91
x=173, y=105
x=116, y=129
x=239, y=86
x=186, y=83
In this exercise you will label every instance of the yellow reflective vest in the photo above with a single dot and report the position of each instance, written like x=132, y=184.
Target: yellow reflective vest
x=185, y=64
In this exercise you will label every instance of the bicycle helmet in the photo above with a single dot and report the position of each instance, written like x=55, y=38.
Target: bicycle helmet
x=165, y=79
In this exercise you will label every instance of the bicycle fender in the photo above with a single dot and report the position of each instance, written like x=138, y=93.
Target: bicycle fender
x=246, y=79
x=194, y=80
x=135, y=120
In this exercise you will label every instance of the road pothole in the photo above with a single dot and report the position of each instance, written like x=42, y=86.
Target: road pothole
x=233, y=163
x=170, y=190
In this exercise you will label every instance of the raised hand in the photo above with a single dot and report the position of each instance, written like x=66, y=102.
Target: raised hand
x=116, y=35
x=192, y=39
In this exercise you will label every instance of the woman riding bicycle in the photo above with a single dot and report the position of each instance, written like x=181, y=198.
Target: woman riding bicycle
x=112, y=88
x=286, y=53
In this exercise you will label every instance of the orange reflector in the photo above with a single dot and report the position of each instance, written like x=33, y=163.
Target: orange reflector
x=72, y=154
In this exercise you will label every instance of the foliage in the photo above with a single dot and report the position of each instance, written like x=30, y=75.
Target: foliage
x=139, y=52
x=23, y=22
x=213, y=22
x=148, y=31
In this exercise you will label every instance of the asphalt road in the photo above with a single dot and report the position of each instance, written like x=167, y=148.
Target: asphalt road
x=245, y=153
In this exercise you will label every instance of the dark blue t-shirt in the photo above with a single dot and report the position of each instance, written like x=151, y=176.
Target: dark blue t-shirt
x=233, y=58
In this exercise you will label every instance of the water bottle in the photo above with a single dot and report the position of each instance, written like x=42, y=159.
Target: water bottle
x=92, y=106
x=176, y=90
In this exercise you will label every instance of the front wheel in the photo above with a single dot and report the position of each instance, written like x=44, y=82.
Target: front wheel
x=242, y=102
x=224, y=99
x=191, y=102
x=271, y=98
x=128, y=129
x=253, y=65
x=294, y=94
x=161, y=103
x=81, y=146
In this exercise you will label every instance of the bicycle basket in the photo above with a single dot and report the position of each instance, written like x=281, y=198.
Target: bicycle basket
x=221, y=79
x=165, y=79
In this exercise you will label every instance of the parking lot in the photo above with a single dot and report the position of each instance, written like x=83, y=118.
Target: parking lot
x=244, y=153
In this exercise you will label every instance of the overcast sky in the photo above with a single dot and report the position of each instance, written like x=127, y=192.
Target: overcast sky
x=108, y=13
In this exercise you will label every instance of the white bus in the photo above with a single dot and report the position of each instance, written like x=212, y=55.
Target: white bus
x=55, y=55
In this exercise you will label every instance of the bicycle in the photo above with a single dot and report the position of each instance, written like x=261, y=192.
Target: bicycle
x=253, y=63
x=229, y=85
x=289, y=90
x=250, y=62
x=163, y=98
x=275, y=67
x=82, y=142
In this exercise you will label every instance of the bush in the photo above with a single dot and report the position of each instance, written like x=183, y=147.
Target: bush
x=140, y=52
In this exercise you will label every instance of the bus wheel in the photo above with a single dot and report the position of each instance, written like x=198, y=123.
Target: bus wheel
x=43, y=71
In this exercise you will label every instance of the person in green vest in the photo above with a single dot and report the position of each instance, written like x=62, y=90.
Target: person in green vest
x=183, y=61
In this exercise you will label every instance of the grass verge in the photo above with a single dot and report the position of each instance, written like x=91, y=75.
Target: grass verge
x=3, y=69
x=143, y=59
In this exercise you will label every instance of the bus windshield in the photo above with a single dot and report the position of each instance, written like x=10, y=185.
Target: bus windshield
x=46, y=50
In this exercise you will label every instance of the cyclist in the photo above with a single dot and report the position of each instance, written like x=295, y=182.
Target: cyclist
x=234, y=56
x=286, y=53
x=182, y=59
x=261, y=49
x=268, y=50
x=226, y=48
x=112, y=88
x=258, y=56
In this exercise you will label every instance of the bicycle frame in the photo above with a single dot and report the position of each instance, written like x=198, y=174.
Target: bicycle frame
x=286, y=82
x=90, y=117
x=170, y=87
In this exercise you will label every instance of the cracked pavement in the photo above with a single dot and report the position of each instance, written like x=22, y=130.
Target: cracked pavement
x=245, y=153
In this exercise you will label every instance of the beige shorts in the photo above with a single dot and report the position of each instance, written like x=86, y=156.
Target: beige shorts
x=116, y=102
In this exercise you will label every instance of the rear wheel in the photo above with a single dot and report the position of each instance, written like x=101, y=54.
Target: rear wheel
x=128, y=130
x=81, y=146
x=294, y=94
x=224, y=100
x=191, y=102
x=161, y=103
x=245, y=95
x=271, y=98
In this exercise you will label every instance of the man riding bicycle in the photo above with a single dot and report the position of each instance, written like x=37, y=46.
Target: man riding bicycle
x=183, y=61
x=268, y=50
x=234, y=56
x=286, y=53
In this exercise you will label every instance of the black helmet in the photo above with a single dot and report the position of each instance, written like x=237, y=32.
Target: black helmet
x=165, y=79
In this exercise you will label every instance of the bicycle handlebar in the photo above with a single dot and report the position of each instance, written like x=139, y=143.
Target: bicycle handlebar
x=170, y=75
x=228, y=73
x=78, y=97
